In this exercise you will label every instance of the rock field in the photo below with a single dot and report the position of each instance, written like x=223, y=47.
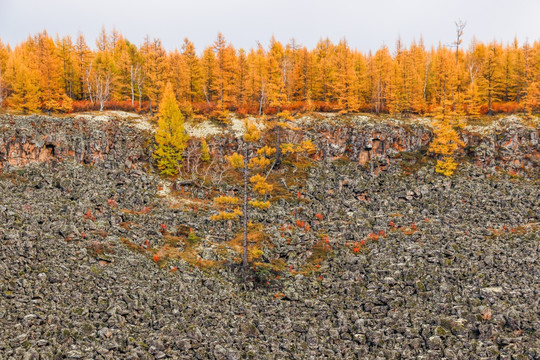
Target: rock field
x=412, y=266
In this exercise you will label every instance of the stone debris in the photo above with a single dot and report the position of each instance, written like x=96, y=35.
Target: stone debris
x=449, y=268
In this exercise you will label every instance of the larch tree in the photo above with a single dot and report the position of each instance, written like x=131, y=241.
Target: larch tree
x=193, y=69
x=225, y=71
x=241, y=83
x=324, y=71
x=154, y=70
x=381, y=71
x=276, y=87
x=23, y=82
x=531, y=74
x=491, y=74
x=257, y=78
x=45, y=60
x=178, y=76
x=171, y=139
x=4, y=55
x=209, y=74
x=254, y=184
x=472, y=68
x=441, y=81
x=444, y=145
x=69, y=71
x=346, y=84
x=104, y=77
x=82, y=61
x=303, y=75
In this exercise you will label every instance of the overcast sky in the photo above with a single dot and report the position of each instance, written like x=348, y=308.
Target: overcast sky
x=366, y=24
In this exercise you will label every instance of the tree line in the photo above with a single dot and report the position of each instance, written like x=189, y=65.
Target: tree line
x=63, y=74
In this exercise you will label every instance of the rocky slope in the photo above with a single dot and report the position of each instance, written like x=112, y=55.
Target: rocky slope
x=413, y=266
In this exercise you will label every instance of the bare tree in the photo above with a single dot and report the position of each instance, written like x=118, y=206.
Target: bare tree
x=460, y=26
x=137, y=79
x=261, y=99
x=103, y=89
x=206, y=95
x=426, y=77
x=132, y=84
x=472, y=64
x=98, y=83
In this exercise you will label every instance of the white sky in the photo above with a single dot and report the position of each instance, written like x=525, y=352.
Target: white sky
x=366, y=24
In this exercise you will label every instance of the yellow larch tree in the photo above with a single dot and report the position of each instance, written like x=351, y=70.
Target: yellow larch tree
x=155, y=70
x=276, y=86
x=23, y=83
x=171, y=139
x=444, y=145
x=4, y=55
x=193, y=69
x=346, y=86
x=254, y=184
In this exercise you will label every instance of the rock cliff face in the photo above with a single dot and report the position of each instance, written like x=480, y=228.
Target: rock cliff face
x=117, y=142
x=113, y=142
x=506, y=143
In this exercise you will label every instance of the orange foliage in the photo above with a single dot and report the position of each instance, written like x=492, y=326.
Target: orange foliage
x=50, y=75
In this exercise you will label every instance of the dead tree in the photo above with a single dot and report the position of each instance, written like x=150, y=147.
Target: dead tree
x=103, y=89
x=460, y=26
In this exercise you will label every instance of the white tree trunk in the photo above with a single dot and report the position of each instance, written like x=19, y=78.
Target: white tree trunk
x=103, y=90
x=88, y=83
x=132, y=85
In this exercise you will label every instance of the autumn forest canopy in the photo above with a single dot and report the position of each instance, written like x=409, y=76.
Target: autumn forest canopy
x=62, y=74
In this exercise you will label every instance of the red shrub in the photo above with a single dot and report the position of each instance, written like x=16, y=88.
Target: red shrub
x=89, y=216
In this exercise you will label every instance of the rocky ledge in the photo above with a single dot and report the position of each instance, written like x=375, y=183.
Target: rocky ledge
x=123, y=140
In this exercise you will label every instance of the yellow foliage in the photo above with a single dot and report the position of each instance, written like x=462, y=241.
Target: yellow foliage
x=266, y=150
x=288, y=149
x=258, y=162
x=224, y=215
x=171, y=139
x=287, y=125
x=308, y=147
x=255, y=253
x=446, y=140
x=445, y=143
x=205, y=152
x=447, y=166
x=260, y=185
x=252, y=133
x=286, y=115
x=260, y=204
x=67, y=104
x=25, y=88
x=226, y=200
x=236, y=160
